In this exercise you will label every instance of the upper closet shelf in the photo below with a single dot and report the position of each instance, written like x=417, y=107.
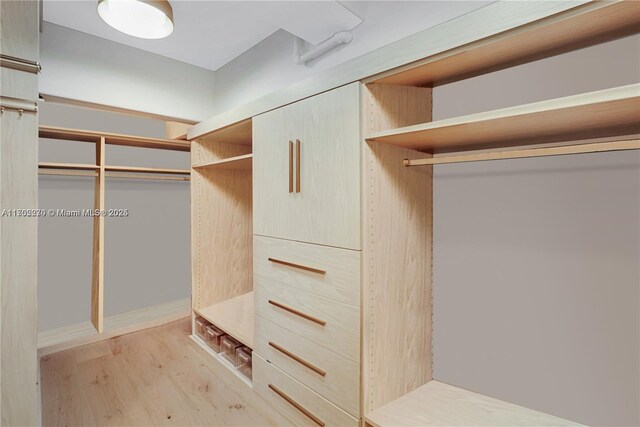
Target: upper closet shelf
x=234, y=316
x=243, y=162
x=240, y=133
x=68, y=134
x=604, y=113
x=551, y=36
x=438, y=404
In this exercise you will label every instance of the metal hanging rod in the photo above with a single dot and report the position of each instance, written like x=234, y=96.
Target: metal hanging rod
x=20, y=64
x=596, y=147
x=21, y=106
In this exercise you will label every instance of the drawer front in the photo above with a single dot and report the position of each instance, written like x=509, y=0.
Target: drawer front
x=332, y=376
x=294, y=400
x=331, y=324
x=330, y=272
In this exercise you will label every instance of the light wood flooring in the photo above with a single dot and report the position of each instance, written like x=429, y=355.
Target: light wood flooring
x=154, y=377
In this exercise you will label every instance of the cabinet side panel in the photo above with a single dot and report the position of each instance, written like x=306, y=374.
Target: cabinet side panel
x=397, y=251
x=18, y=234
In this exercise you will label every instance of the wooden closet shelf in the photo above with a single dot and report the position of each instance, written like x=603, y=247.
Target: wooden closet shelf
x=244, y=162
x=548, y=37
x=69, y=134
x=240, y=133
x=67, y=166
x=438, y=404
x=135, y=169
x=234, y=316
x=62, y=172
x=610, y=112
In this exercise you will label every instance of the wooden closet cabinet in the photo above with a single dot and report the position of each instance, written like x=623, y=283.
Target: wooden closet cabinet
x=306, y=170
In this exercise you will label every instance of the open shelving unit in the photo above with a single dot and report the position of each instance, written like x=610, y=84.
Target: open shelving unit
x=399, y=131
x=243, y=162
x=100, y=171
x=609, y=112
x=222, y=235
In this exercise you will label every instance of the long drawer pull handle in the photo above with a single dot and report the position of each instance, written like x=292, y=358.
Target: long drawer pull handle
x=298, y=359
x=296, y=405
x=298, y=165
x=298, y=266
x=298, y=313
x=290, y=166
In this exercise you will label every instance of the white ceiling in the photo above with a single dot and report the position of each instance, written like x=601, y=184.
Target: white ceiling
x=210, y=33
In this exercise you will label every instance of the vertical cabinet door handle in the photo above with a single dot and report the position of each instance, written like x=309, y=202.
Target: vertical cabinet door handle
x=290, y=166
x=298, y=165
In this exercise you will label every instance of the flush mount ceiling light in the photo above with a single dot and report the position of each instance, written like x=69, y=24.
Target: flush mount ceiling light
x=147, y=19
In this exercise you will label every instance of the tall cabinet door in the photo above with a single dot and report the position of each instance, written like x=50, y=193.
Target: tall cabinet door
x=306, y=170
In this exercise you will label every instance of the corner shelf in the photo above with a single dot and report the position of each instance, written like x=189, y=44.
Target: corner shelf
x=244, y=162
x=234, y=316
x=609, y=112
x=240, y=133
x=438, y=404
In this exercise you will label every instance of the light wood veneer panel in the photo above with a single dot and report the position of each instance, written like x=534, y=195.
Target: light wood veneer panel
x=340, y=282
x=341, y=329
x=324, y=208
x=396, y=301
x=335, y=377
x=221, y=226
x=325, y=413
x=235, y=316
x=437, y=404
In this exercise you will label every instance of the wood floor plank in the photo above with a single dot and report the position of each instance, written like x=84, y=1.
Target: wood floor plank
x=155, y=377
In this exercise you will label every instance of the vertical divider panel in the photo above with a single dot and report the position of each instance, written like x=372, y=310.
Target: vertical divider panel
x=97, y=277
x=397, y=220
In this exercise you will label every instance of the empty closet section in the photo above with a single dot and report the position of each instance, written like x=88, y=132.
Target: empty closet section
x=222, y=233
x=399, y=132
x=100, y=171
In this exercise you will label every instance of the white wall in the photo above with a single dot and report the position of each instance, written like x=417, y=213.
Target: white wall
x=536, y=261
x=87, y=68
x=147, y=259
x=82, y=67
x=269, y=65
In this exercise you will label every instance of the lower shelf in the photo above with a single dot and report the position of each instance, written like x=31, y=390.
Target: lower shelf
x=439, y=404
x=220, y=359
x=234, y=316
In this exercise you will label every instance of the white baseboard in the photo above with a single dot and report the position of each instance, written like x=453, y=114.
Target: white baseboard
x=84, y=333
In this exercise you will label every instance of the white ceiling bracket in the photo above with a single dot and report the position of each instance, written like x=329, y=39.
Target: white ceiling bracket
x=339, y=38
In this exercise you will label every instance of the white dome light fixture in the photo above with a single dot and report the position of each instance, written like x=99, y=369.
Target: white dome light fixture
x=146, y=19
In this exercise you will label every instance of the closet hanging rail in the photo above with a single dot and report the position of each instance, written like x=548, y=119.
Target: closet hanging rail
x=67, y=166
x=21, y=106
x=135, y=169
x=534, y=152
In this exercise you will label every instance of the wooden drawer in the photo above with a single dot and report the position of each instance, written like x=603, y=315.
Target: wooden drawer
x=332, y=376
x=331, y=324
x=331, y=272
x=294, y=400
